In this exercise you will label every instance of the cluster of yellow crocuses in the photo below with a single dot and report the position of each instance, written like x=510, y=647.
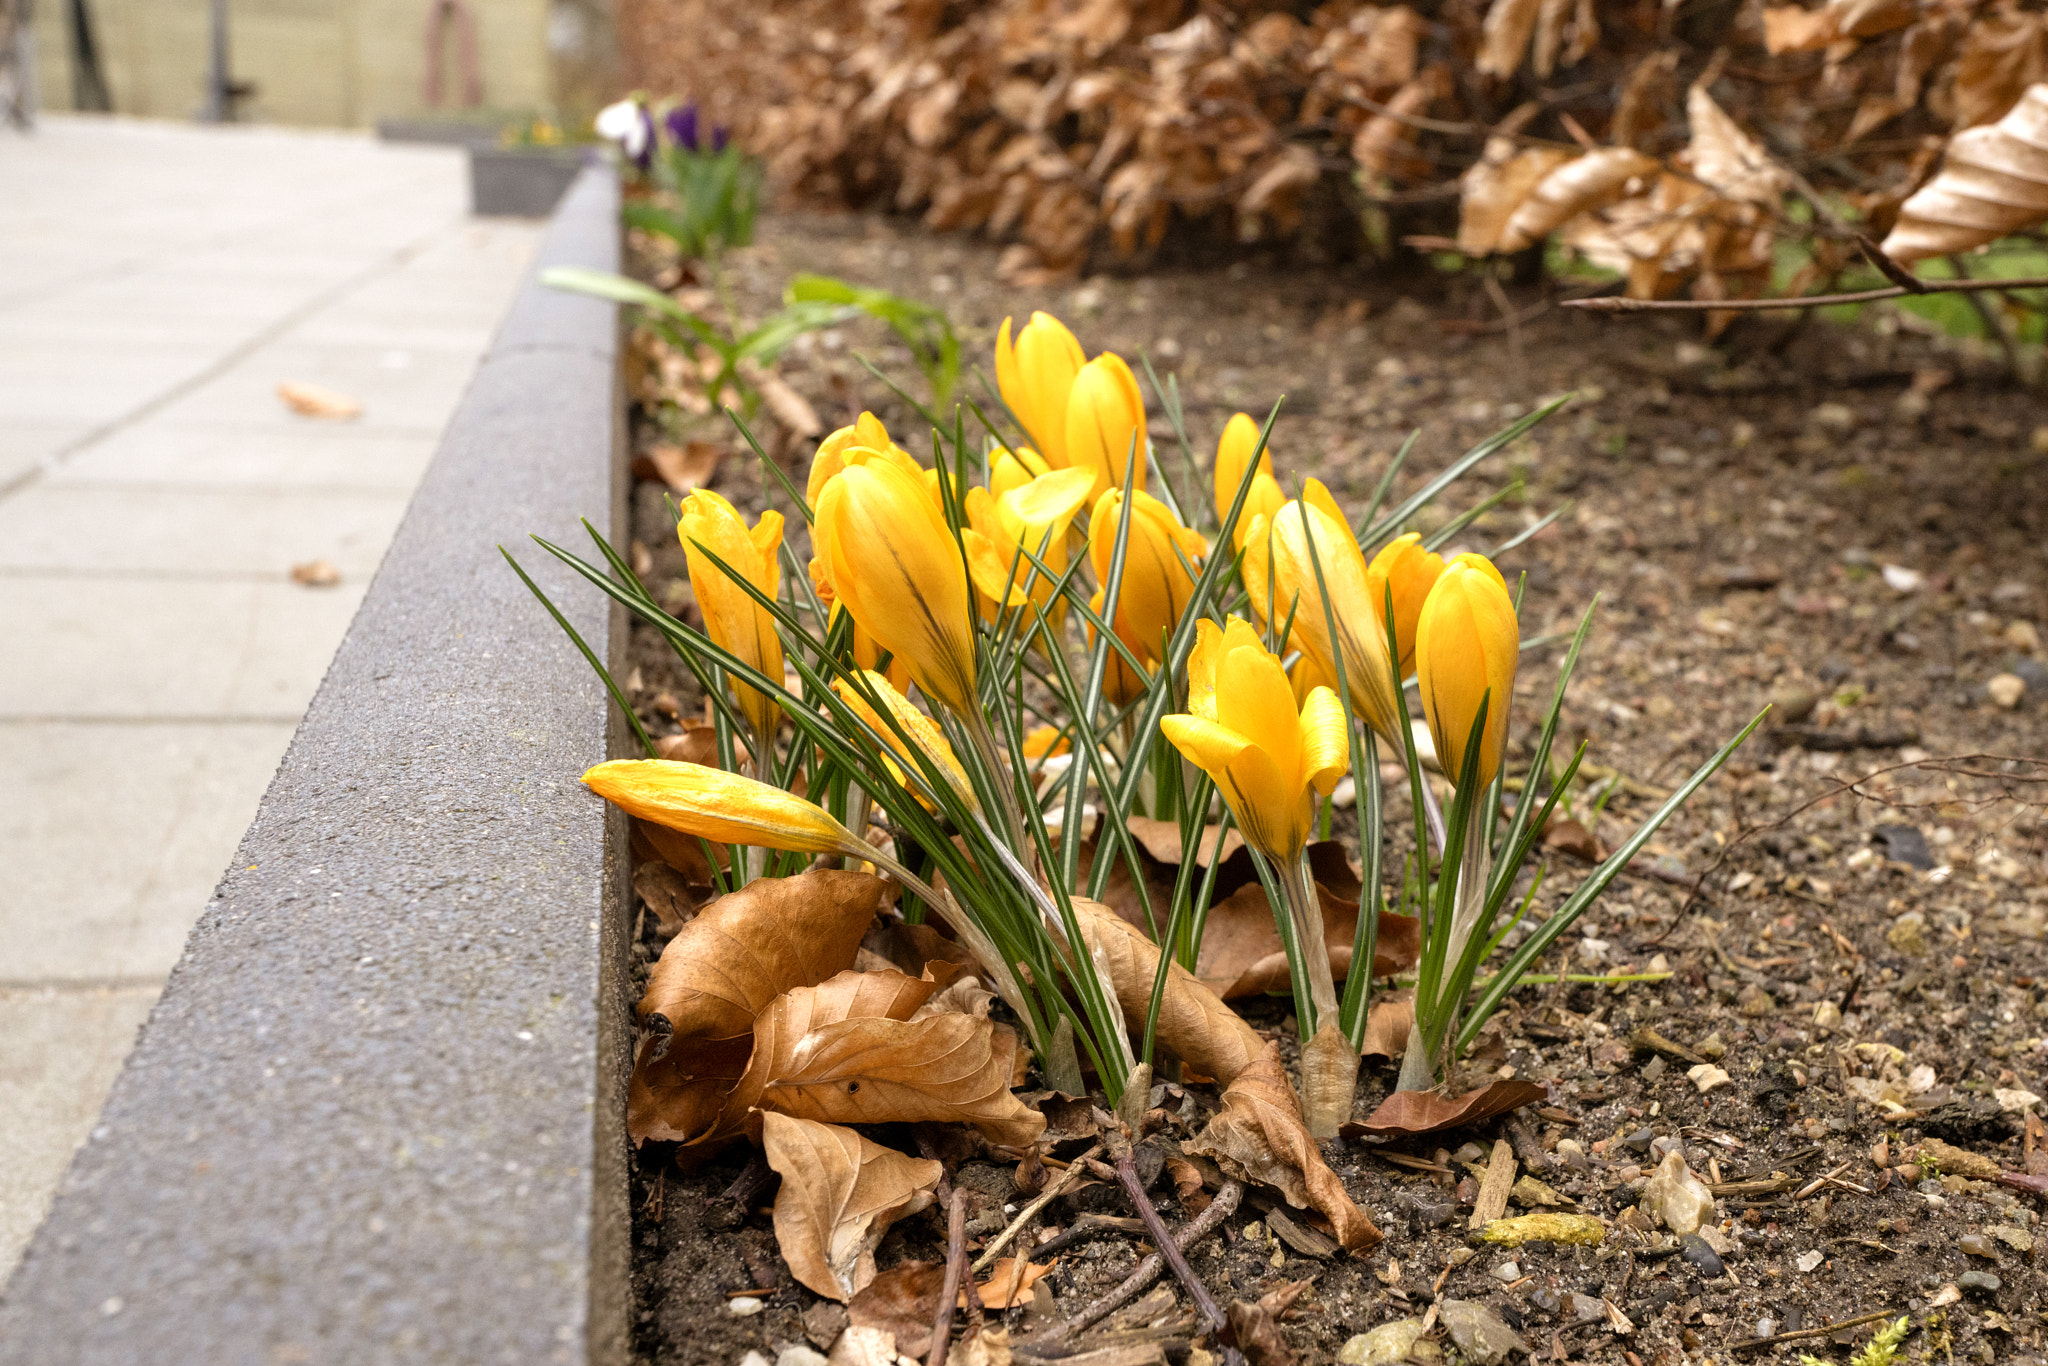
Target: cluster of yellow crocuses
x=930, y=575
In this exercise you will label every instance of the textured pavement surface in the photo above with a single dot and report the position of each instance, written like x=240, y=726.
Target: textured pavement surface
x=157, y=282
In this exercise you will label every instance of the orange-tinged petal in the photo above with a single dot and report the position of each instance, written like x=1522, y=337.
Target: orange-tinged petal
x=717, y=805
x=1105, y=423
x=1360, y=636
x=923, y=733
x=1466, y=649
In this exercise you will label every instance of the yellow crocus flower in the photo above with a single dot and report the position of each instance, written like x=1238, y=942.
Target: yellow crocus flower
x=719, y=806
x=732, y=618
x=1411, y=571
x=1034, y=376
x=1105, y=416
x=867, y=432
x=1156, y=584
x=922, y=731
x=1243, y=729
x=895, y=565
x=1013, y=469
x=1467, y=643
x=1035, y=516
x=1280, y=569
x=1233, y=454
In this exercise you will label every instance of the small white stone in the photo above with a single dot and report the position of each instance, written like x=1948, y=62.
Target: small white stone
x=753, y=1359
x=745, y=1306
x=1507, y=1271
x=1827, y=1015
x=2006, y=689
x=2014, y=1101
x=1594, y=950
x=1809, y=1260
x=800, y=1355
x=1903, y=580
x=1708, y=1077
x=111, y=1306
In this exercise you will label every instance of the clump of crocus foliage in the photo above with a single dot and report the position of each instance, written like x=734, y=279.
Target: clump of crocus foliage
x=1003, y=649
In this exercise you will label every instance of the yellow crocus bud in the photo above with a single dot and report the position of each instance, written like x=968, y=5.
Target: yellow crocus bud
x=1156, y=584
x=1105, y=416
x=732, y=618
x=1035, y=516
x=1034, y=376
x=720, y=806
x=922, y=732
x=1233, y=454
x=1008, y=469
x=1268, y=756
x=1467, y=643
x=895, y=565
x=1280, y=569
x=1411, y=572
x=867, y=432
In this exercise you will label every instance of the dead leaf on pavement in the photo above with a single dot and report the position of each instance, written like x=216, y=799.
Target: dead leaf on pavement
x=1408, y=1113
x=682, y=468
x=840, y=1192
x=1194, y=1024
x=1259, y=1136
x=1009, y=1281
x=748, y=947
x=847, y=1052
x=317, y=574
x=311, y=400
x=901, y=1301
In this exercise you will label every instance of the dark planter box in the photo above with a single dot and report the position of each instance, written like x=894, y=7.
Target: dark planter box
x=378, y=1114
x=456, y=132
x=521, y=182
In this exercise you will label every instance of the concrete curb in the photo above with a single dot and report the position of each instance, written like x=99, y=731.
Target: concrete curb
x=378, y=1114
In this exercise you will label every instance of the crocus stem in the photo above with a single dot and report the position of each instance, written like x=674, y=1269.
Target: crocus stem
x=1329, y=1064
x=1305, y=911
x=1433, y=812
x=1418, y=1072
x=971, y=935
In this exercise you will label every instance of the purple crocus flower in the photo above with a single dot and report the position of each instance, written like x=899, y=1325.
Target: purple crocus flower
x=681, y=125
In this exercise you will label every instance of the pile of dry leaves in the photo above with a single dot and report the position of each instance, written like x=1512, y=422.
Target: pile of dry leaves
x=1663, y=140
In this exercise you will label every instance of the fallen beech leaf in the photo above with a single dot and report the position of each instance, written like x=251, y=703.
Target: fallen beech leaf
x=1506, y=36
x=1728, y=159
x=1386, y=1028
x=1259, y=1136
x=748, y=947
x=1241, y=954
x=840, y=1192
x=914, y=948
x=2001, y=55
x=678, y=1096
x=989, y=1347
x=1194, y=1024
x=665, y=892
x=1188, y=1186
x=1009, y=1281
x=1495, y=186
x=1408, y=1113
x=1993, y=182
x=859, y=1346
x=1381, y=139
x=1570, y=837
x=697, y=744
x=310, y=400
x=790, y=408
x=1593, y=180
x=317, y=574
x=684, y=853
x=901, y=1302
x=1788, y=28
x=683, y=469
x=1255, y=1328
x=847, y=1052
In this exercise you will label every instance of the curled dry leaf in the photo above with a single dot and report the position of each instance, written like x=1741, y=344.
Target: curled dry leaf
x=1993, y=181
x=311, y=400
x=865, y=1346
x=1728, y=159
x=1386, y=1028
x=1009, y=1281
x=1494, y=186
x=848, y=1052
x=1381, y=139
x=1506, y=36
x=677, y=1096
x=1408, y=1113
x=748, y=947
x=1241, y=954
x=1259, y=1136
x=667, y=893
x=1161, y=839
x=1194, y=1024
x=1591, y=181
x=1255, y=1328
x=840, y=1192
x=901, y=1302
x=2001, y=55
x=683, y=469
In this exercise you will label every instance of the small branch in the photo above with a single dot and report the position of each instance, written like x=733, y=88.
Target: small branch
x=956, y=1263
x=1134, y=1187
x=1615, y=303
x=1887, y=267
x=1192, y=1232
x=1801, y=1334
x=1030, y=1211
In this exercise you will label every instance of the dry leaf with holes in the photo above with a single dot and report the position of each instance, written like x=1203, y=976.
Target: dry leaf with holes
x=317, y=574
x=1993, y=182
x=1259, y=1136
x=1194, y=1024
x=848, y=1052
x=839, y=1194
x=1586, y=182
x=311, y=400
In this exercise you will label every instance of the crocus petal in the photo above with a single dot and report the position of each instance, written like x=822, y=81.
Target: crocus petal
x=1035, y=375
x=1325, y=741
x=709, y=526
x=1407, y=571
x=1466, y=649
x=717, y=805
x=1105, y=423
x=1208, y=746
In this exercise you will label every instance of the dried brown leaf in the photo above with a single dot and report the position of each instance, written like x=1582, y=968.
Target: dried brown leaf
x=1380, y=139
x=1728, y=159
x=682, y=468
x=1010, y=1280
x=1259, y=1136
x=901, y=1301
x=1255, y=1328
x=1241, y=954
x=678, y=1096
x=1494, y=187
x=1386, y=1028
x=1993, y=181
x=848, y=1052
x=1505, y=37
x=2002, y=54
x=1408, y=1113
x=748, y=947
x=1194, y=1024
x=311, y=400
x=1586, y=182
x=666, y=893
x=840, y=1192
x=1161, y=839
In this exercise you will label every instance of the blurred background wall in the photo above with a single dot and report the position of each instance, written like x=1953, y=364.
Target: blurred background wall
x=331, y=63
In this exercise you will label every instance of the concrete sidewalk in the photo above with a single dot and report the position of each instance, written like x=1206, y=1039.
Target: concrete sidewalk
x=157, y=282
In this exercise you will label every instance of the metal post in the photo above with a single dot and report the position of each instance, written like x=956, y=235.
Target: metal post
x=220, y=102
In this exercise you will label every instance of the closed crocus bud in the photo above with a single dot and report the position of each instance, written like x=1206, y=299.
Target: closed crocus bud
x=1156, y=584
x=1233, y=457
x=1268, y=755
x=895, y=565
x=1281, y=559
x=1466, y=647
x=719, y=806
x=913, y=735
x=1410, y=571
x=709, y=526
x=866, y=432
x=1034, y=376
x=1105, y=417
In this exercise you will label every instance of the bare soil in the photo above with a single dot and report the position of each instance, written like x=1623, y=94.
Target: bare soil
x=1848, y=523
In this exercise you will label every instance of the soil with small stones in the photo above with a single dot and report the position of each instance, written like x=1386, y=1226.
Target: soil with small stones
x=1848, y=523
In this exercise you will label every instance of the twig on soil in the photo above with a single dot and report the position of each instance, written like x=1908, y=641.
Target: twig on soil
x=956, y=1263
x=1086, y=1227
x=1192, y=1232
x=756, y=1177
x=1802, y=1334
x=1044, y=1198
x=1617, y=303
x=1134, y=1188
